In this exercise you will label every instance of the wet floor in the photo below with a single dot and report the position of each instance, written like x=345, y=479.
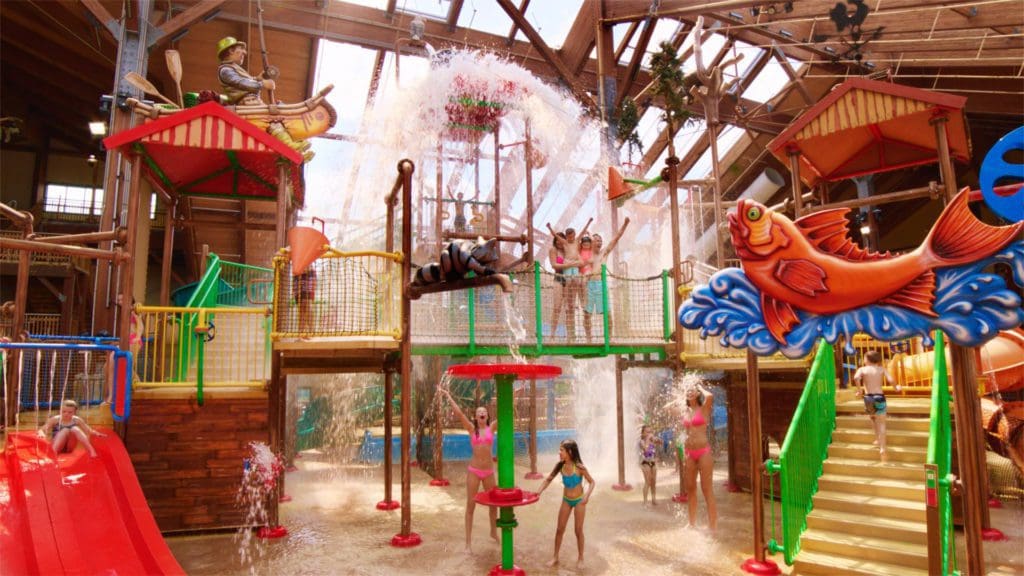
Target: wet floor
x=335, y=529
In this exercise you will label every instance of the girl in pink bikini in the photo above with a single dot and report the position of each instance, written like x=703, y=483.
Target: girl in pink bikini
x=697, y=448
x=481, y=465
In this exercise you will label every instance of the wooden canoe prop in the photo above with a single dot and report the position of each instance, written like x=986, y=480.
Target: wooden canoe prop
x=302, y=120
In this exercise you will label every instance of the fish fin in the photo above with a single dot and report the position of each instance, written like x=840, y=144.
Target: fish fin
x=958, y=237
x=779, y=317
x=828, y=231
x=918, y=296
x=801, y=276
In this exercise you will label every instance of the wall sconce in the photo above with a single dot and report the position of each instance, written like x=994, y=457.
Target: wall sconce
x=98, y=128
x=865, y=229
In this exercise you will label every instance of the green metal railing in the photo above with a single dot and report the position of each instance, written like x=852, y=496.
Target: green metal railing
x=633, y=315
x=244, y=285
x=937, y=467
x=804, y=451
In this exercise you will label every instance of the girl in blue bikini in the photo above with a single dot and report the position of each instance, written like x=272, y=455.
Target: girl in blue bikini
x=573, y=498
x=481, y=465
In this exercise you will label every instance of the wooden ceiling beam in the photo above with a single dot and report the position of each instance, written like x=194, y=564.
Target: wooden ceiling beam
x=626, y=38
x=580, y=40
x=183, y=20
x=42, y=35
x=109, y=24
x=15, y=51
x=564, y=73
x=454, y=11
x=523, y=5
x=634, y=10
x=634, y=63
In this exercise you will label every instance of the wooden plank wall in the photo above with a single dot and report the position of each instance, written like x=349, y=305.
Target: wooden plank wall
x=189, y=458
x=780, y=394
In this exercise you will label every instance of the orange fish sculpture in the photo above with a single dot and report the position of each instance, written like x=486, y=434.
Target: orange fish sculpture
x=812, y=265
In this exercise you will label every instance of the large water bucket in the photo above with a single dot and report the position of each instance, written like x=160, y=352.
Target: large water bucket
x=305, y=245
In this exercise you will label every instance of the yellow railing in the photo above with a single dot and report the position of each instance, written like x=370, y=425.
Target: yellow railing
x=35, y=324
x=228, y=347
x=907, y=361
x=347, y=294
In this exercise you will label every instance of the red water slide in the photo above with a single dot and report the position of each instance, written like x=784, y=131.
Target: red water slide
x=74, y=514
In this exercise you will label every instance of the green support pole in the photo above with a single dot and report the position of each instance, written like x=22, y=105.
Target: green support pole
x=506, y=463
x=604, y=308
x=471, y=305
x=666, y=304
x=538, y=308
x=200, y=359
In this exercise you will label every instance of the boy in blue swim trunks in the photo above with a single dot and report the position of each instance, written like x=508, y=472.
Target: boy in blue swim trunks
x=869, y=379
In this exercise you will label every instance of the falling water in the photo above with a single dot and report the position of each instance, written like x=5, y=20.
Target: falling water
x=258, y=483
x=516, y=328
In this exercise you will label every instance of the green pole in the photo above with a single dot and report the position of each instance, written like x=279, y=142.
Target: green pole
x=471, y=295
x=506, y=463
x=538, y=306
x=666, y=304
x=604, y=308
x=200, y=360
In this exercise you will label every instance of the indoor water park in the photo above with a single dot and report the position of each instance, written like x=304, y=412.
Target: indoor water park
x=467, y=287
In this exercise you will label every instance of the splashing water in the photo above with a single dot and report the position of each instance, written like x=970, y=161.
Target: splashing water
x=516, y=328
x=259, y=481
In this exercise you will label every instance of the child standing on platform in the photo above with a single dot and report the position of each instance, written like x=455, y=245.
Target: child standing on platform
x=869, y=379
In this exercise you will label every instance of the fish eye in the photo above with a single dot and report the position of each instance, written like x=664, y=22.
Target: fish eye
x=754, y=213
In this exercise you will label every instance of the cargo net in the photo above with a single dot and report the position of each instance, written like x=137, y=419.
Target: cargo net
x=571, y=312
x=48, y=377
x=356, y=294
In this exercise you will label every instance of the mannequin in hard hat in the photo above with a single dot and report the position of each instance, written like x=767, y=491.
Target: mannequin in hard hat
x=242, y=89
x=239, y=86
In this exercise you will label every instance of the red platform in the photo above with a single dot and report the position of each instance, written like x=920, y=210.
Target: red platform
x=406, y=541
x=993, y=535
x=622, y=487
x=680, y=497
x=271, y=533
x=520, y=371
x=501, y=497
x=389, y=505
x=766, y=568
x=284, y=498
x=499, y=571
x=534, y=476
x=440, y=482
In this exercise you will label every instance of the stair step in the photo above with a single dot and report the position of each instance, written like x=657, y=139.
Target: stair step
x=894, y=470
x=917, y=455
x=866, y=548
x=868, y=525
x=892, y=437
x=894, y=405
x=873, y=505
x=848, y=422
x=872, y=486
x=830, y=565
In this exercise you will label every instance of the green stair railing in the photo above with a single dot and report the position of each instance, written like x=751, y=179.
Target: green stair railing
x=804, y=451
x=937, y=470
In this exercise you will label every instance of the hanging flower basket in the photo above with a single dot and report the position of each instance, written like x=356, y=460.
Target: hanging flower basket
x=477, y=105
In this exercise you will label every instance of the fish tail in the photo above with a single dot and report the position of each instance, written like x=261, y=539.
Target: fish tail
x=958, y=237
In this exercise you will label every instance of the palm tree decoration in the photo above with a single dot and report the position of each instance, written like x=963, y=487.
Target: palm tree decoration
x=672, y=89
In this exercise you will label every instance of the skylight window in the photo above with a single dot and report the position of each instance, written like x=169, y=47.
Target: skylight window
x=486, y=16
x=378, y=4
x=726, y=139
x=770, y=81
x=437, y=9
x=349, y=68
x=664, y=31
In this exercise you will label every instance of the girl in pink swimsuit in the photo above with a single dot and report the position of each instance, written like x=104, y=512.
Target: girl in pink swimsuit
x=697, y=448
x=481, y=466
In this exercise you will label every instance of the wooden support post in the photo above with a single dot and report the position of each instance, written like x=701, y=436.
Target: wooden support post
x=973, y=472
x=275, y=408
x=281, y=235
x=389, y=393
x=759, y=564
x=794, y=168
x=439, y=204
x=128, y=266
x=67, y=303
x=528, y=157
x=620, y=427
x=168, y=255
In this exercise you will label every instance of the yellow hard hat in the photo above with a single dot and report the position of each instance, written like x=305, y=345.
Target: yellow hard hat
x=227, y=42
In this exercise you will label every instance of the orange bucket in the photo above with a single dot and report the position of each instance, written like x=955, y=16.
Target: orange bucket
x=616, y=185
x=305, y=245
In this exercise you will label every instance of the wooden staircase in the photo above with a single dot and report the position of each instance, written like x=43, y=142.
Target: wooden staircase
x=868, y=517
